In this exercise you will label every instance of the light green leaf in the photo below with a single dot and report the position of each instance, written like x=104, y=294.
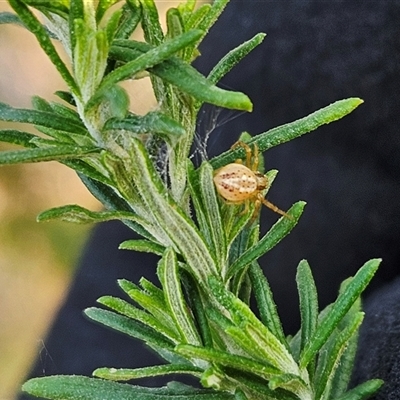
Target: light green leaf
x=270, y=240
x=290, y=131
x=184, y=77
x=102, y=7
x=234, y=57
x=339, y=310
x=195, y=18
x=265, y=345
x=59, y=7
x=308, y=302
x=124, y=308
x=174, y=23
x=226, y=359
x=333, y=357
x=128, y=326
x=56, y=153
x=83, y=168
x=363, y=391
x=145, y=246
x=153, y=122
x=151, y=302
x=171, y=219
x=81, y=215
x=124, y=374
x=40, y=118
x=153, y=33
x=76, y=387
x=168, y=274
x=131, y=15
x=108, y=197
x=144, y=61
x=213, y=216
x=17, y=137
x=265, y=302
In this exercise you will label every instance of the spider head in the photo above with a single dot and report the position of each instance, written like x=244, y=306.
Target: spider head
x=261, y=181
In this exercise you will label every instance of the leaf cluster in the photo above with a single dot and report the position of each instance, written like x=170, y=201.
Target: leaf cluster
x=198, y=319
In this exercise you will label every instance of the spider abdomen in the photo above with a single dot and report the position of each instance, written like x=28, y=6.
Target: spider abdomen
x=236, y=183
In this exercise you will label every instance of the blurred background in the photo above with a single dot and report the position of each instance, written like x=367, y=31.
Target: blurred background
x=37, y=261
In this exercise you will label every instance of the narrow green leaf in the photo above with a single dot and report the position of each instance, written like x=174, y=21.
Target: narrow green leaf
x=76, y=12
x=249, y=329
x=290, y=131
x=152, y=301
x=240, y=395
x=144, y=246
x=124, y=374
x=234, y=57
x=344, y=370
x=197, y=304
x=226, y=359
x=17, y=137
x=144, y=61
x=153, y=33
x=44, y=40
x=174, y=23
x=363, y=391
x=56, y=153
x=173, y=221
x=112, y=26
x=89, y=57
x=213, y=216
x=153, y=122
x=83, y=168
x=325, y=377
x=109, y=198
x=259, y=387
x=128, y=326
x=339, y=310
x=124, y=308
x=265, y=302
x=308, y=302
x=40, y=118
x=10, y=18
x=184, y=77
x=102, y=7
x=195, y=194
x=196, y=17
x=216, y=10
x=130, y=18
x=80, y=215
x=151, y=289
x=58, y=7
x=65, y=112
x=278, y=231
x=73, y=387
x=284, y=381
x=169, y=276
x=39, y=103
x=66, y=96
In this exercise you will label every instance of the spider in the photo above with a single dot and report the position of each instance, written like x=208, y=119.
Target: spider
x=238, y=183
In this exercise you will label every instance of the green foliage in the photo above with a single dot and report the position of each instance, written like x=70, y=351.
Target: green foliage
x=198, y=320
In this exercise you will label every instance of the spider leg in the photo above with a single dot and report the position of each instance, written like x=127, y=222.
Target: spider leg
x=256, y=212
x=254, y=166
x=273, y=207
x=245, y=209
x=248, y=151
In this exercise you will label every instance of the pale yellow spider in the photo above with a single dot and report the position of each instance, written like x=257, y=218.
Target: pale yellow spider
x=242, y=184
